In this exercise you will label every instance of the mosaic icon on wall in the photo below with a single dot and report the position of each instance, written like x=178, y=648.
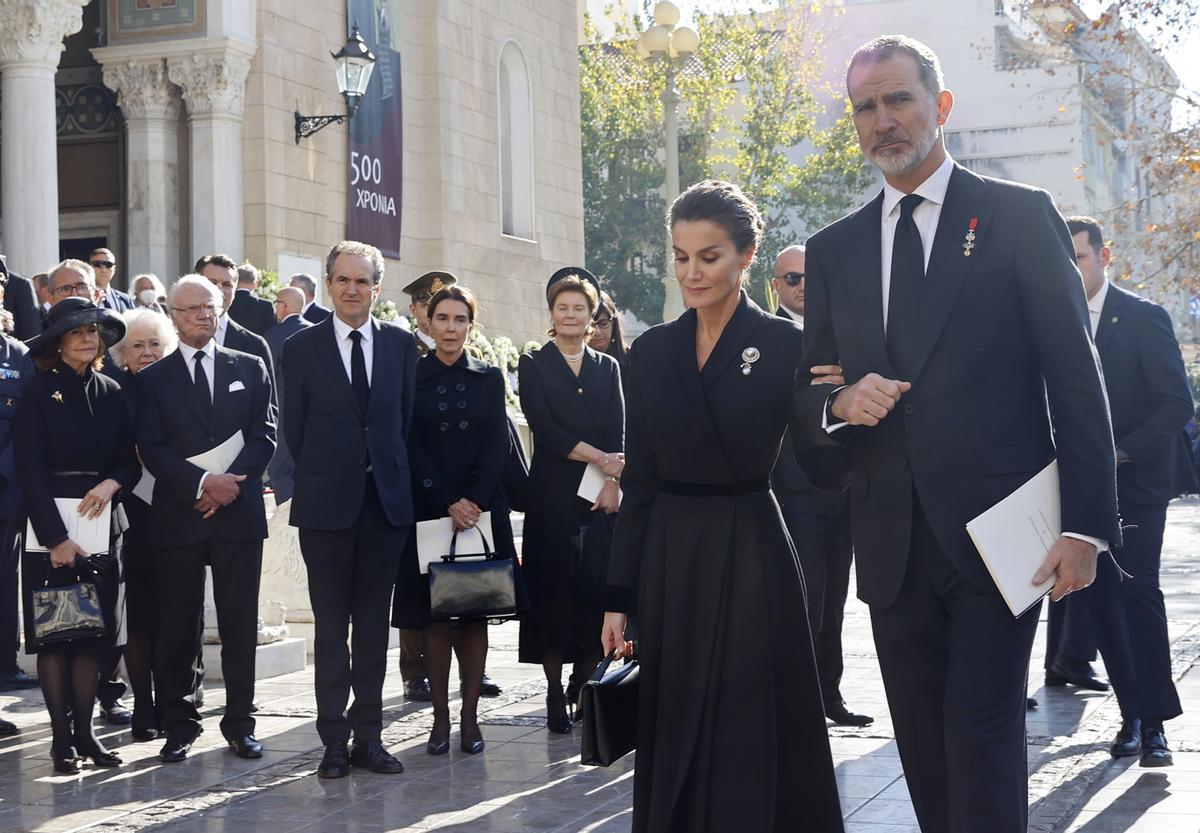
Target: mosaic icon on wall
x=133, y=19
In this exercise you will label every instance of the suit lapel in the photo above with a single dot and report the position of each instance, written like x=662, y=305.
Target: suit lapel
x=182, y=375
x=948, y=266
x=734, y=338
x=1110, y=320
x=327, y=348
x=864, y=279
x=683, y=348
x=381, y=367
x=224, y=374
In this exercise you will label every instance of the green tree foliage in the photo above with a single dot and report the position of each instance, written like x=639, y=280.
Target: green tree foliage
x=752, y=112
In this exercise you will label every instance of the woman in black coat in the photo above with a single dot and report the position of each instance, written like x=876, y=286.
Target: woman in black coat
x=571, y=396
x=459, y=446
x=731, y=731
x=73, y=439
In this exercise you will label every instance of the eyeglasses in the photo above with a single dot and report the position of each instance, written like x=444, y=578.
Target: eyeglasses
x=102, y=264
x=603, y=323
x=83, y=290
x=792, y=278
x=195, y=309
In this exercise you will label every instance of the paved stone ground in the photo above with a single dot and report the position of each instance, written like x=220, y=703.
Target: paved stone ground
x=528, y=780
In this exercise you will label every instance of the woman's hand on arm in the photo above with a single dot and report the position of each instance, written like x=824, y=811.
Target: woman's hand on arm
x=612, y=636
x=98, y=498
x=64, y=554
x=609, y=498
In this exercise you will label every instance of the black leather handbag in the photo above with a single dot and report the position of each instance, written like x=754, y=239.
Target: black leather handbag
x=66, y=613
x=470, y=587
x=610, y=712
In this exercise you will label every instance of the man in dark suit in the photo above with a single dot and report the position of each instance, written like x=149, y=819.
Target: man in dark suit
x=221, y=272
x=19, y=300
x=313, y=312
x=255, y=314
x=105, y=264
x=288, y=303
x=954, y=307
x=349, y=388
x=819, y=523
x=189, y=403
x=1151, y=404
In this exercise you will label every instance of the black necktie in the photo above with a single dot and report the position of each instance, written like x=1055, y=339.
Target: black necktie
x=358, y=372
x=201, y=380
x=904, y=297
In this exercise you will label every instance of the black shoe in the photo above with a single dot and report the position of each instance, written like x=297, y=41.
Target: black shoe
x=572, y=695
x=143, y=729
x=488, y=689
x=91, y=748
x=246, y=747
x=116, y=713
x=439, y=737
x=198, y=696
x=175, y=749
x=1031, y=704
x=1065, y=670
x=17, y=680
x=335, y=763
x=1154, y=748
x=1128, y=741
x=839, y=714
x=418, y=689
x=66, y=760
x=557, y=719
x=472, y=738
x=7, y=729
x=371, y=755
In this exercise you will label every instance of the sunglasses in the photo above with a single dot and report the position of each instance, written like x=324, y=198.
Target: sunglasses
x=792, y=278
x=102, y=264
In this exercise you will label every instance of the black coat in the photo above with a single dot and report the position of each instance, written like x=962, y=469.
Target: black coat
x=332, y=442
x=116, y=300
x=316, y=313
x=255, y=314
x=15, y=370
x=276, y=336
x=1150, y=398
x=171, y=428
x=239, y=338
x=21, y=301
x=702, y=555
x=1004, y=331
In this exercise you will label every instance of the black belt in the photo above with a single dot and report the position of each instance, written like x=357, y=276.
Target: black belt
x=734, y=489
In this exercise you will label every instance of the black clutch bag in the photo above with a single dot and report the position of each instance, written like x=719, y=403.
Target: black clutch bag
x=609, y=702
x=468, y=587
x=66, y=613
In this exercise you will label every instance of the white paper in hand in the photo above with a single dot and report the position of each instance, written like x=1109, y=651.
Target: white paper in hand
x=218, y=460
x=1014, y=536
x=433, y=539
x=592, y=482
x=90, y=534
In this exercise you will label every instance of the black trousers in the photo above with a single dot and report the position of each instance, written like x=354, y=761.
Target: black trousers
x=1130, y=618
x=1069, y=631
x=823, y=546
x=351, y=573
x=955, y=664
x=412, y=655
x=10, y=587
x=179, y=571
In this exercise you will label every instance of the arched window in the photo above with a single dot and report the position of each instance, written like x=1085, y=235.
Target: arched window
x=516, y=144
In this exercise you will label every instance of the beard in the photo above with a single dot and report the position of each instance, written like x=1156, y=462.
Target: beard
x=908, y=157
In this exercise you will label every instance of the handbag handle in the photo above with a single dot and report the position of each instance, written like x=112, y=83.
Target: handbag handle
x=487, y=547
x=603, y=667
x=51, y=567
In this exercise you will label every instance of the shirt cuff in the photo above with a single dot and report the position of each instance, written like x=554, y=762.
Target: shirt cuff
x=1099, y=543
x=200, y=488
x=825, y=424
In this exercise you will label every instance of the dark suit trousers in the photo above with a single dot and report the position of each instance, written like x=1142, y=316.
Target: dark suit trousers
x=412, y=655
x=1130, y=618
x=10, y=557
x=351, y=573
x=1069, y=630
x=955, y=664
x=179, y=571
x=823, y=546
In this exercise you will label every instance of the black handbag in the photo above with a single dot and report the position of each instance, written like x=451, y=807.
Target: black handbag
x=609, y=702
x=66, y=613
x=468, y=587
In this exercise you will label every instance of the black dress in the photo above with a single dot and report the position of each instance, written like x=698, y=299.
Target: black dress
x=141, y=588
x=731, y=729
x=71, y=432
x=458, y=448
x=565, y=583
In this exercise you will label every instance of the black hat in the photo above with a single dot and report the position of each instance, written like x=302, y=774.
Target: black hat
x=70, y=313
x=425, y=283
x=577, y=271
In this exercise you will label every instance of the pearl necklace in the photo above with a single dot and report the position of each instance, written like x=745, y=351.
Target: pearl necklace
x=574, y=357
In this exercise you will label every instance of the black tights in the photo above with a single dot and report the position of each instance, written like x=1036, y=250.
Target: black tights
x=68, y=677
x=470, y=645
x=139, y=662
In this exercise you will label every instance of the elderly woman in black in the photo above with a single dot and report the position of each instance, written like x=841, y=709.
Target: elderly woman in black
x=571, y=396
x=458, y=453
x=149, y=336
x=73, y=439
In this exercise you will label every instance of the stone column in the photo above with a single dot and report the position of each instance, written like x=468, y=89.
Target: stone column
x=30, y=47
x=150, y=104
x=213, y=83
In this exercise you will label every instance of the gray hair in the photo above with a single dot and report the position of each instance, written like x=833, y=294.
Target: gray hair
x=162, y=327
x=247, y=274
x=307, y=282
x=886, y=46
x=353, y=247
x=74, y=265
x=204, y=283
x=160, y=291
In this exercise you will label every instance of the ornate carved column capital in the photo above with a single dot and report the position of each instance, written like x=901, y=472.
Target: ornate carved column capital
x=143, y=89
x=213, y=83
x=34, y=29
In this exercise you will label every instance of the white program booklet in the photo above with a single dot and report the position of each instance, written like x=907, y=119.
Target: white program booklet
x=91, y=534
x=433, y=539
x=1014, y=536
x=216, y=460
x=592, y=482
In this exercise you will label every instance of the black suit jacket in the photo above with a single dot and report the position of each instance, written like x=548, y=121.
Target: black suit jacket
x=332, y=442
x=171, y=428
x=277, y=335
x=116, y=300
x=316, y=313
x=21, y=301
x=239, y=338
x=1150, y=398
x=255, y=314
x=1004, y=344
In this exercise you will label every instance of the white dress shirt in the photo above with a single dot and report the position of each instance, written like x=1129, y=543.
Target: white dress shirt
x=222, y=329
x=209, y=364
x=342, y=330
x=799, y=319
x=427, y=340
x=1096, y=306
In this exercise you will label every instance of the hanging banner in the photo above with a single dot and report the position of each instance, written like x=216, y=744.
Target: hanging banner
x=375, y=176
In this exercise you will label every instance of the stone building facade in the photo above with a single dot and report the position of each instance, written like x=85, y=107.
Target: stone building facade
x=164, y=129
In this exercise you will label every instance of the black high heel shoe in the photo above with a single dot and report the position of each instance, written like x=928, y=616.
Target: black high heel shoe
x=439, y=737
x=66, y=760
x=472, y=738
x=99, y=755
x=557, y=719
